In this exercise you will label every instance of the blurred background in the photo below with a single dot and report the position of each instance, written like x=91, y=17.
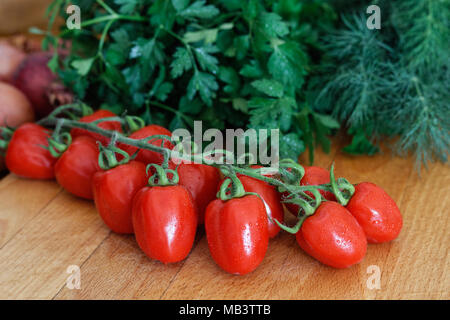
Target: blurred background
x=16, y=16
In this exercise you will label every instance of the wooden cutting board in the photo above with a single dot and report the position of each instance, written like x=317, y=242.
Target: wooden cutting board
x=44, y=231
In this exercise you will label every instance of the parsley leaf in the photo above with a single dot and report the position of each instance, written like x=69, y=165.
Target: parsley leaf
x=203, y=83
x=181, y=63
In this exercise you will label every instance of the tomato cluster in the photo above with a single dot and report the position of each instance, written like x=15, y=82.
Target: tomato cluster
x=165, y=218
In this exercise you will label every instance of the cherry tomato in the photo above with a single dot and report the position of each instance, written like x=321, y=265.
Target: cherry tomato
x=25, y=155
x=237, y=233
x=376, y=213
x=114, y=191
x=164, y=222
x=313, y=176
x=148, y=156
x=333, y=236
x=107, y=125
x=76, y=167
x=271, y=198
x=201, y=181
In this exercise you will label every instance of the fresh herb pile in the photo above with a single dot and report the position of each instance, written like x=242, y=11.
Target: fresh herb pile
x=288, y=64
x=229, y=63
x=393, y=82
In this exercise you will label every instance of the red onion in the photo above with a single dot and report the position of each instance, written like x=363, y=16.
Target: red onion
x=40, y=84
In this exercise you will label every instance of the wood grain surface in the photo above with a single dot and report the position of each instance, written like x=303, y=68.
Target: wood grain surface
x=44, y=230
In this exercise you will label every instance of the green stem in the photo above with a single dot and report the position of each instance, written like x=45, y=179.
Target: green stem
x=188, y=119
x=187, y=45
x=106, y=7
x=106, y=18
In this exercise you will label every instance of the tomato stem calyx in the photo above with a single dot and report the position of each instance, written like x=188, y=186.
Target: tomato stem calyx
x=348, y=189
x=161, y=176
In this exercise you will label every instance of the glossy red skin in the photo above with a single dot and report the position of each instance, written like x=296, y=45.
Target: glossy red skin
x=271, y=198
x=25, y=157
x=164, y=222
x=237, y=233
x=76, y=167
x=148, y=156
x=376, y=213
x=114, y=191
x=313, y=176
x=107, y=125
x=333, y=236
x=201, y=181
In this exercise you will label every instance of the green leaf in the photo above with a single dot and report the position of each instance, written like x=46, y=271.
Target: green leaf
x=206, y=35
x=121, y=38
x=304, y=123
x=192, y=107
x=327, y=121
x=272, y=25
x=291, y=146
x=240, y=104
x=203, y=83
x=163, y=91
x=160, y=13
x=252, y=70
x=271, y=113
x=199, y=10
x=127, y=6
x=231, y=78
x=288, y=64
x=177, y=122
x=83, y=66
x=150, y=52
x=207, y=62
x=179, y=5
x=251, y=9
x=360, y=144
x=241, y=45
x=181, y=63
x=269, y=87
x=53, y=63
x=133, y=77
x=116, y=55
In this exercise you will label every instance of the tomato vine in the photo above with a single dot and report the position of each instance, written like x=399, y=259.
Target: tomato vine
x=286, y=178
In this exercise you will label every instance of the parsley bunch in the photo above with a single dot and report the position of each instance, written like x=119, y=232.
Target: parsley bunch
x=229, y=63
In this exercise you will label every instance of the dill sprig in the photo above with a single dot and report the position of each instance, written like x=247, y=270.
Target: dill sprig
x=392, y=82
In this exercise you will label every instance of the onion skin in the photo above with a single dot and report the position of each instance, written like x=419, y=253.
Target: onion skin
x=34, y=78
x=15, y=108
x=10, y=59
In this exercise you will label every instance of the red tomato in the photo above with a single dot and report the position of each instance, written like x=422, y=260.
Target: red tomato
x=113, y=194
x=313, y=176
x=376, y=213
x=201, y=181
x=76, y=167
x=25, y=156
x=271, y=198
x=148, y=156
x=164, y=222
x=107, y=125
x=333, y=236
x=237, y=233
